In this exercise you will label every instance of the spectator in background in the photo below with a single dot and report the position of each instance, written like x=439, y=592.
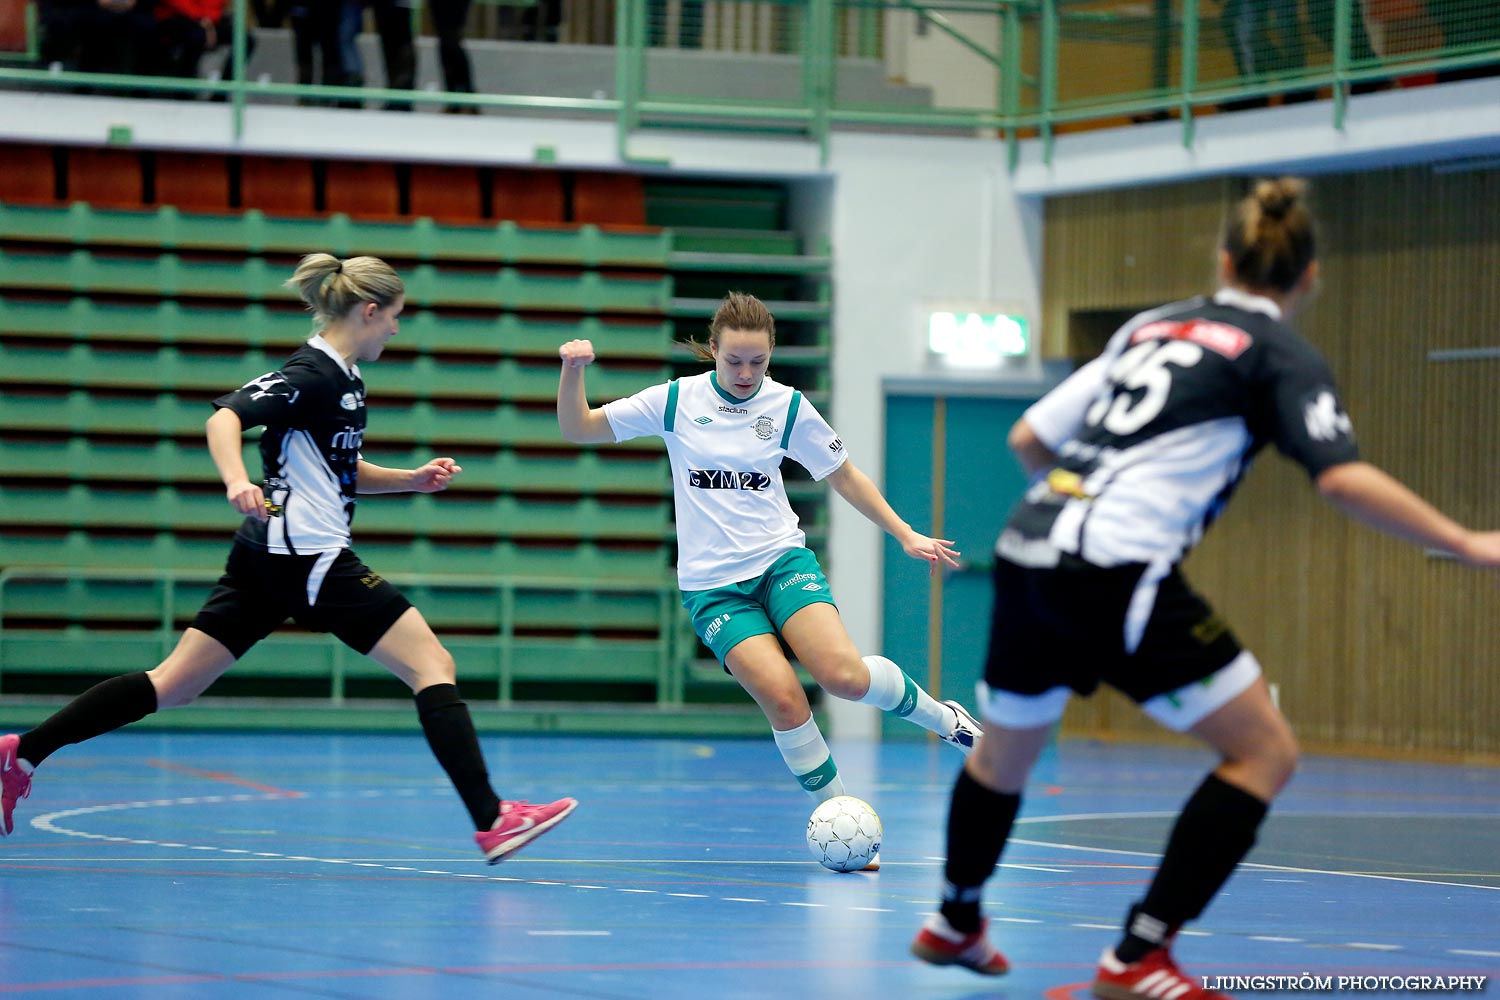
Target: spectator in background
x=393, y=21
x=1265, y=37
x=450, y=17
x=1320, y=20
x=97, y=36
x=1467, y=23
x=315, y=37
x=186, y=29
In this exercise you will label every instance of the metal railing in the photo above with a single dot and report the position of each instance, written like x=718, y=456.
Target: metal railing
x=671, y=646
x=1012, y=68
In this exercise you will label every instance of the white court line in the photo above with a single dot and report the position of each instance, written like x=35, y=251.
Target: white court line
x=570, y=933
x=46, y=823
x=871, y=909
x=1247, y=864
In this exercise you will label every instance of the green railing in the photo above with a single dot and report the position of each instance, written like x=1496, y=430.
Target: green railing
x=1014, y=68
x=491, y=647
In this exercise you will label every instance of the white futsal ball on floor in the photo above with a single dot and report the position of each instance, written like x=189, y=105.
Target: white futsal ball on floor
x=843, y=833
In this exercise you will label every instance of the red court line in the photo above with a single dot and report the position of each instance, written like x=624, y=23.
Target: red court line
x=223, y=776
x=1071, y=992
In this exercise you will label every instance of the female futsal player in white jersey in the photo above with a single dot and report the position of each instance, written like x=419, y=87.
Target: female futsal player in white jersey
x=743, y=566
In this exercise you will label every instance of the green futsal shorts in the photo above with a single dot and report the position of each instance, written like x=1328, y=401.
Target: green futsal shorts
x=726, y=616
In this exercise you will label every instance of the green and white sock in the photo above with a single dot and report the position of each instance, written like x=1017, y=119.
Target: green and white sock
x=807, y=757
x=891, y=690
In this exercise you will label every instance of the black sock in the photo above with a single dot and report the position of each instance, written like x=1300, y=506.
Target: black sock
x=1214, y=832
x=103, y=708
x=979, y=822
x=450, y=733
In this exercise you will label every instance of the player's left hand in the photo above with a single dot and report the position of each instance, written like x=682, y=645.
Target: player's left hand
x=936, y=551
x=435, y=476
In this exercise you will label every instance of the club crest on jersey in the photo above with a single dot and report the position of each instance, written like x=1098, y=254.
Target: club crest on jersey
x=765, y=428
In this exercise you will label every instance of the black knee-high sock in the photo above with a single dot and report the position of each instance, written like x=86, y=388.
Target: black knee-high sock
x=979, y=822
x=1214, y=832
x=450, y=733
x=103, y=708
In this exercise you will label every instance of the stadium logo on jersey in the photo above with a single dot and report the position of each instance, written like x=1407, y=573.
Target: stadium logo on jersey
x=1325, y=421
x=352, y=400
x=732, y=409
x=349, y=439
x=1220, y=338
x=765, y=428
x=727, y=479
x=703, y=420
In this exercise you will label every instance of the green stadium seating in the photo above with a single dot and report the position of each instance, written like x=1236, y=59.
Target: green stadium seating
x=547, y=564
x=422, y=238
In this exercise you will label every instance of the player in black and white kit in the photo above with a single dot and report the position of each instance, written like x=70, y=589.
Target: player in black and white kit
x=1133, y=457
x=291, y=556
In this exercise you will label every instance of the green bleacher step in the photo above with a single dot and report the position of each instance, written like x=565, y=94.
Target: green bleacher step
x=252, y=231
x=280, y=331
x=256, y=279
x=585, y=560
x=420, y=376
x=453, y=513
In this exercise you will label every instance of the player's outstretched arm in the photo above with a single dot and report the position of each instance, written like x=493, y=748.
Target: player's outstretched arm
x=223, y=431
x=863, y=495
x=1370, y=495
x=433, y=477
x=578, y=423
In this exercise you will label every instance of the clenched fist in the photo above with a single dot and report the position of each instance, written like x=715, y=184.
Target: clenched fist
x=576, y=353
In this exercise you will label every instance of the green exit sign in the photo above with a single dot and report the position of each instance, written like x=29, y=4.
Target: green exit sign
x=977, y=339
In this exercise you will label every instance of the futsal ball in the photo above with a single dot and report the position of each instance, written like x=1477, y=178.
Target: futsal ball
x=843, y=833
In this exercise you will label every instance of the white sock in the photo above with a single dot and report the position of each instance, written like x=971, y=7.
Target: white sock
x=891, y=690
x=807, y=757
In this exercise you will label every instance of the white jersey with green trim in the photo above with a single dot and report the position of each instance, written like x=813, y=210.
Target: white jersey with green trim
x=733, y=518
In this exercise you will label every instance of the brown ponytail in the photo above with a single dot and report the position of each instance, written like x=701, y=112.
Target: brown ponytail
x=331, y=287
x=1270, y=237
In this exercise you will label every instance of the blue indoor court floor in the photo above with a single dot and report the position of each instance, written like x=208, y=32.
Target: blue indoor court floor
x=190, y=865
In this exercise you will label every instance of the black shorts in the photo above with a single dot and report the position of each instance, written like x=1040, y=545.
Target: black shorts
x=324, y=592
x=1074, y=624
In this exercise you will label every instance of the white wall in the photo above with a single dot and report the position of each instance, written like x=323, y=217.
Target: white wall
x=923, y=54
x=914, y=220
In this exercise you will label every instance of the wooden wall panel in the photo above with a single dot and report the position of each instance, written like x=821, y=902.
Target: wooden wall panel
x=1373, y=644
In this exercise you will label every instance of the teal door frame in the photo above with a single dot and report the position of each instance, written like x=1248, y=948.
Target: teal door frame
x=949, y=473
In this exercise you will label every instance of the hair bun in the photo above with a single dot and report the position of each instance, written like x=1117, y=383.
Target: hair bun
x=1277, y=197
